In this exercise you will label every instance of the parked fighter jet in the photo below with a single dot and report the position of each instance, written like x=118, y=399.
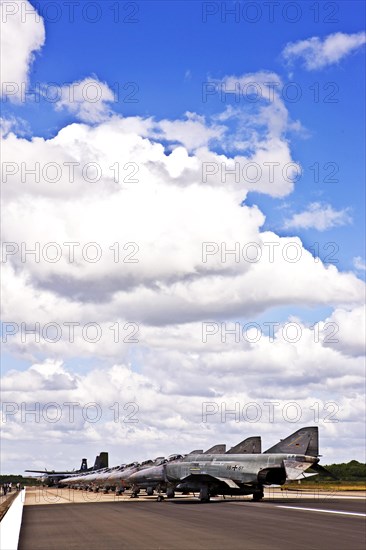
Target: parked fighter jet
x=50, y=477
x=105, y=478
x=152, y=478
x=246, y=474
x=155, y=478
x=233, y=472
x=242, y=470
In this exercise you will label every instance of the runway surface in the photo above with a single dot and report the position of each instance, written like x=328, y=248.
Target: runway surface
x=276, y=523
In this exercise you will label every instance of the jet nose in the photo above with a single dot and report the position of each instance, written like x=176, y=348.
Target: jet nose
x=135, y=477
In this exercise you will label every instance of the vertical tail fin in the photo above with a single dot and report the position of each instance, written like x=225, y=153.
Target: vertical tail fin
x=216, y=450
x=250, y=445
x=101, y=461
x=302, y=442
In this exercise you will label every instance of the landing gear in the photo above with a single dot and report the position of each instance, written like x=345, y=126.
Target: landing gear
x=160, y=498
x=258, y=494
x=135, y=494
x=170, y=493
x=204, y=494
x=149, y=491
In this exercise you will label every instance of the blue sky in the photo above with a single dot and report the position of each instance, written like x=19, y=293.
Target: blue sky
x=169, y=53
x=163, y=55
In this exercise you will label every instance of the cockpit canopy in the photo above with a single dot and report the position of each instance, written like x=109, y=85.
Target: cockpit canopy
x=174, y=457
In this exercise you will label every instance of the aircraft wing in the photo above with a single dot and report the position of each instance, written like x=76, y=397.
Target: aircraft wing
x=49, y=472
x=321, y=470
x=206, y=478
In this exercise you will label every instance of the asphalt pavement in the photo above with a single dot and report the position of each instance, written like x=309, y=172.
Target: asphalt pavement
x=279, y=523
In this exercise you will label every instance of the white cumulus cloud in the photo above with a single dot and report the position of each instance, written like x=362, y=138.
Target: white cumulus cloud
x=87, y=99
x=22, y=34
x=316, y=53
x=113, y=189
x=319, y=216
x=359, y=263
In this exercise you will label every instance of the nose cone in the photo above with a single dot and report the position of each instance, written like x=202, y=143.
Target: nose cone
x=136, y=477
x=148, y=474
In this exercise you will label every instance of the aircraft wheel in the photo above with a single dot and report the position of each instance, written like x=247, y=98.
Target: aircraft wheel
x=258, y=495
x=204, y=494
x=170, y=493
x=160, y=498
x=149, y=491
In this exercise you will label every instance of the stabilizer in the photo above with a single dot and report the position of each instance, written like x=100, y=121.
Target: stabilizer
x=216, y=450
x=101, y=461
x=321, y=470
x=250, y=445
x=302, y=442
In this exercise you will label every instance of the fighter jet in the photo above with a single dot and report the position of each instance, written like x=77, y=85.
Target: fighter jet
x=51, y=477
x=155, y=478
x=236, y=472
x=246, y=474
x=152, y=478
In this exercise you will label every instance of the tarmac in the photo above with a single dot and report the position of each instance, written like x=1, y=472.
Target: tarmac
x=93, y=521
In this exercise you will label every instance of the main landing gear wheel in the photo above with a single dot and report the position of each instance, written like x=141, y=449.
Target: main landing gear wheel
x=160, y=498
x=258, y=495
x=170, y=493
x=204, y=495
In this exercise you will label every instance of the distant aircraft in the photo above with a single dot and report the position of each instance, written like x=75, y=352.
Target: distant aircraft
x=116, y=478
x=50, y=477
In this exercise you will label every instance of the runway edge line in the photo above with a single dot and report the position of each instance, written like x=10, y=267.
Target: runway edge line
x=11, y=523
